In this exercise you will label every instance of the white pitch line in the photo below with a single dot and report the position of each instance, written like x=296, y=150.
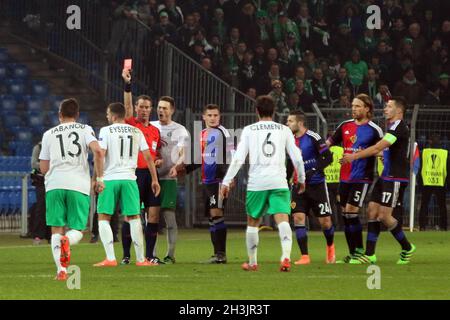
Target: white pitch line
x=97, y=276
x=78, y=245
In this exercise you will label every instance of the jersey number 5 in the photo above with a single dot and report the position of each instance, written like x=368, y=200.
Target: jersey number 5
x=75, y=142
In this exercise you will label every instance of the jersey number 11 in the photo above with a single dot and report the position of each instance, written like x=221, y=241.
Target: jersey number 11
x=130, y=153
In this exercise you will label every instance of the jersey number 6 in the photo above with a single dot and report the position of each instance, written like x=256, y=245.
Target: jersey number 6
x=268, y=148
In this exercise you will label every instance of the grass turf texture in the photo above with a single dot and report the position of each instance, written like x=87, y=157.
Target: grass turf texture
x=27, y=272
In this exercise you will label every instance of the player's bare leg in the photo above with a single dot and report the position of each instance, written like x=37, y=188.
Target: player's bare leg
x=285, y=233
x=302, y=237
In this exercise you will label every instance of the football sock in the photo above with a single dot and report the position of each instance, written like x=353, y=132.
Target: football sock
x=138, y=238
x=172, y=231
x=373, y=231
x=302, y=238
x=221, y=233
x=212, y=232
x=348, y=233
x=355, y=229
x=252, y=238
x=400, y=236
x=126, y=239
x=74, y=236
x=329, y=235
x=151, y=234
x=56, y=250
x=106, y=235
x=357, y=232
x=285, y=233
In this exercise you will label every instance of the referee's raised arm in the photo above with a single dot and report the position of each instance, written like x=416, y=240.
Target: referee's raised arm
x=127, y=96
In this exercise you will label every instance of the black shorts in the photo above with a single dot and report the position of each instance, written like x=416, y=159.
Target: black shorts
x=212, y=199
x=146, y=195
x=314, y=198
x=353, y=194
x=388, y=193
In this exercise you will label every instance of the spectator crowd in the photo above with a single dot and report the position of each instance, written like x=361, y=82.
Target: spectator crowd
x=305, y=51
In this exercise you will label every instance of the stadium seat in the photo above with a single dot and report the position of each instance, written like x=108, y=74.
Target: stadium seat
x=53, y=119
x=3, y=72
x=15, y=201
x=13, y=121
x=3, y=161
x=22, y=134
x=16, y=87
x=20, y=148
x=8, y=103
x=4, y=56
x=39, y=130
x=33, y=103
x=84, y=118
x=39, y=88
x=31, y=197
x=54, y=102
x=18, y=71
x=35, y=119
x=4, y=203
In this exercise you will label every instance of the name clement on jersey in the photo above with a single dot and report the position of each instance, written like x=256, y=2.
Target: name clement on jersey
x=266, y=126
x=62, y=128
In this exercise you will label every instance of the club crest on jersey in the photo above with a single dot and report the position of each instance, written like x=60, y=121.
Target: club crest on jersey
x=293, y=205
x=353, y=138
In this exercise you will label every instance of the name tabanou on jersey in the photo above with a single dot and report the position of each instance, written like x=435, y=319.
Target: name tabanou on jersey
x=62, y=128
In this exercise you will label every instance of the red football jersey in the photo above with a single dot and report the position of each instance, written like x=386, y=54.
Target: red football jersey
x=152, y=136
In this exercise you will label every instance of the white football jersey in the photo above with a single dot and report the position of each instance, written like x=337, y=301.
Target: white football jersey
x=66, y=147
x=173, y=137
x=122, y=143
x=266, y=143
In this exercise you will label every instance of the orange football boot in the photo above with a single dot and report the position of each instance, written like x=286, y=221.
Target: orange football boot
x=61, y=276
x=305, y=259
x=146, y=263
x=285, y=265
x=331, y=254
x=249, y=267
x=106, y=263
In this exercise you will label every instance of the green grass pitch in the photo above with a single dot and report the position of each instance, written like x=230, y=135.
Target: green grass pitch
x=27, y=272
